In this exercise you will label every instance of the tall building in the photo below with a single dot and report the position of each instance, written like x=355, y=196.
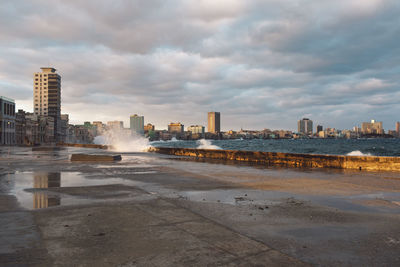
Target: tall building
x=7, y=121
x=137, y=124
x=47, y=97
x=214, y=122
x=319, y=128
x=175, y=127
x=305, y=126
x=398, y=128
x=373, y=127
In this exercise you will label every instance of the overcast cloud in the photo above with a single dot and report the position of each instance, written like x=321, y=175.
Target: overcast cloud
x=261, y=63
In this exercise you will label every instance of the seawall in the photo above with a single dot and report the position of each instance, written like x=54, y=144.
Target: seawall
x=83, y=145
x=368, y=163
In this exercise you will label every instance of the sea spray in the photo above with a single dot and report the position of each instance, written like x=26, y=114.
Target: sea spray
x=206, y=144
x=123, y=141
x=358, y=153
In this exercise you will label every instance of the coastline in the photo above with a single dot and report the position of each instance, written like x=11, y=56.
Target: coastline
x=152, y=209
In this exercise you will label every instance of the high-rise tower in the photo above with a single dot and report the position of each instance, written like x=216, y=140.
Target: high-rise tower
x=214, y=122
x=137, y=124
x=47, y=96
x=305, y=126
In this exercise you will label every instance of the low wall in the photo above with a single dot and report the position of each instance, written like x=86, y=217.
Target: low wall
x=95, y=158
x=83, y=145
x=368, y=163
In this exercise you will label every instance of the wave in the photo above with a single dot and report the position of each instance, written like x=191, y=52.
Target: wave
x=206, y=144
x=123, y=141
x=358, y=153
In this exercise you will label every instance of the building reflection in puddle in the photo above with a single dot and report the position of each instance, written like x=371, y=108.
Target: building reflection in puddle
x=46, y=180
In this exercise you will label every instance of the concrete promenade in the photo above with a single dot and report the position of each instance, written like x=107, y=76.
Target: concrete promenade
x=160, y=210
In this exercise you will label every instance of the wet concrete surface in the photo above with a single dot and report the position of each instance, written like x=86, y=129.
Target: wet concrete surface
x=155, y=210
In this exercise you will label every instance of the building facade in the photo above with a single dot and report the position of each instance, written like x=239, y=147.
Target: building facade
x=115, y=125
x=214, y=122
x=137, y=124
x=149, y=128
x=398, y=128
x=7, y=121
x=305, y=126
x=196, y=129
x=47, y=97
x=175, y=127
x=373, y=127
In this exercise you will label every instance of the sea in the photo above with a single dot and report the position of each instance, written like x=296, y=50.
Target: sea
x=355, y=147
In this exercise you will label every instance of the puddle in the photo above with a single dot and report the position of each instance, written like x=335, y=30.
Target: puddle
x=30, y=188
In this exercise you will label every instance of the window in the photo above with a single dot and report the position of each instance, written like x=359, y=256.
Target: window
x=36, y=84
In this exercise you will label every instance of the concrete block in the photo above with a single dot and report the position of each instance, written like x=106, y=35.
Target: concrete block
x=95, y=158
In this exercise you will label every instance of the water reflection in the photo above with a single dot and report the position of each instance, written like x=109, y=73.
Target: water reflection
x=46, y=180
x=37, y=190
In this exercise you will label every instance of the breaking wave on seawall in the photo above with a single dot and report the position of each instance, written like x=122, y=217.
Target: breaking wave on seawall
x=206, y=144
x=358, y=153
x=122, y=141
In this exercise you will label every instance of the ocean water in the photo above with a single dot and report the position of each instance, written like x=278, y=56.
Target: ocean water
x=371, y=147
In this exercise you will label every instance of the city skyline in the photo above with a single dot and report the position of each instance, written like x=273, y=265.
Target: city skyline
x=263, y=64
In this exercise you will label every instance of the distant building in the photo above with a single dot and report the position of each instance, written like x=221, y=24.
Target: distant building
x=137, y=124
x=196, y=129
x=214, y=122
x=149, y=128
x=7, y=121
x=319, y=128
x=47, y=97
x=100, y=127
x=175, y=127
x=64, y=121
x=373, y=127
x=398, y=128
x=79, y=134
x=26, y=128
x=305, y=126
x=115, y=125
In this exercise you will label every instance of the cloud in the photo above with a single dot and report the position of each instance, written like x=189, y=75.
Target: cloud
x=262, y=64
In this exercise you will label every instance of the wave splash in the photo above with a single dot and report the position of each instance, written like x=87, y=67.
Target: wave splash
x=123, y=141
x=358, y=153
x=206, y=144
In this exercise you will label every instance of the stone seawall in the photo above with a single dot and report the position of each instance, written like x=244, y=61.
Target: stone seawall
x=368, y=163
x=83, y=145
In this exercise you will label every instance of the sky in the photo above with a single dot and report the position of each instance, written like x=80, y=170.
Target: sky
x=261, y=63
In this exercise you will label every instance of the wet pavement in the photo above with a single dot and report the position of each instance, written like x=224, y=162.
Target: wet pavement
x=59, y=211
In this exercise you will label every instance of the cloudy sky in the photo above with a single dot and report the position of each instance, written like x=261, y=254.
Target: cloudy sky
x=261, y=63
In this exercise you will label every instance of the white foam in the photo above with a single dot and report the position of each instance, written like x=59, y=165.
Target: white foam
x=123, y=141
x=206, y=144
x=358, y=153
